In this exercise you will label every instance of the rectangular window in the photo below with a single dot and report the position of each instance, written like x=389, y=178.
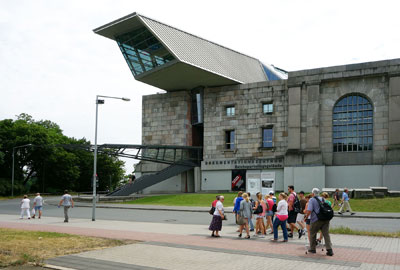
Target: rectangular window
x=268, y=108
x=267, y=137
x=230, y=111
x=230, y=139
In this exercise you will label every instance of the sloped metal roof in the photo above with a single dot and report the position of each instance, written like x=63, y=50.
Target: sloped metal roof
x=205, y=56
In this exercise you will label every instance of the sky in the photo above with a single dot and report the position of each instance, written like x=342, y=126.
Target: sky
x=52, y=65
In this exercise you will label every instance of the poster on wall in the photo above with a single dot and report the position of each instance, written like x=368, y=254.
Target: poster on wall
x=267, y=182
x=238, y=180
x=253, y=183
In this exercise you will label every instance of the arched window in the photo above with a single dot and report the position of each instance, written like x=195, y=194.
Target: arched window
x=352, y=124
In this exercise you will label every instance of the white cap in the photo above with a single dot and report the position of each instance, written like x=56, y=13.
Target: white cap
x=271, y=193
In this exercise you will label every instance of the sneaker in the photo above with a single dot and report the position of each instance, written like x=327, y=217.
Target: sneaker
x=312, y=251
x=301, y=233
x=340, y=213
x=352, y=213
x=252, y=230
x=290, y=235
x=329, y=252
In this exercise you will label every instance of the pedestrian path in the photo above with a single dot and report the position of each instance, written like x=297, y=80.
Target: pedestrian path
x=186, y=246
x=228, y=209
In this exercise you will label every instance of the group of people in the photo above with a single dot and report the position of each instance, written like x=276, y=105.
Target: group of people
x=291, y=212
x=66, y=201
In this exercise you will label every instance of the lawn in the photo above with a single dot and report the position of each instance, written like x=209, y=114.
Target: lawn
x=192, y=199
x=19, y=247
x=388, y=204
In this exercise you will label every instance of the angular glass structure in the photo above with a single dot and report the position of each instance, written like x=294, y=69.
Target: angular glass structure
x=142, y=51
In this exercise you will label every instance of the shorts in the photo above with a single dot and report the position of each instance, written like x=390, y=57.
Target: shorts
x=300, y=217
x=38, y=208
x=258, y=217
x=308, y=221
x=269, y=213
x=292, y=217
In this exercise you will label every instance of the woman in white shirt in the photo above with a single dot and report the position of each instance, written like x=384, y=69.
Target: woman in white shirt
x=218, y=216
x=281, y=218
x=25, y=205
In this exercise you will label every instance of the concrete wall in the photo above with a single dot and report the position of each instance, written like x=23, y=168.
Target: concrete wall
x=216, y=180
x=304, y=178
x=171, y=185
x=391, y=177
x=354, y=176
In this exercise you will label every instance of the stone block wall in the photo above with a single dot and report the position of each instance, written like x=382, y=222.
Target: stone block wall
x=166, y=119
x=248, y=120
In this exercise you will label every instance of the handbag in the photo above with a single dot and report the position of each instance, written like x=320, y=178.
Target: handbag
x=240, y=220
x=259, y=209
x=212, y=210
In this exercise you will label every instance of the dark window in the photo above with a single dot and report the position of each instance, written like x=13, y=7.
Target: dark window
x=352, y=127
x=267, y=137
x=230, y=110
x=268, y=108
x=230, y=139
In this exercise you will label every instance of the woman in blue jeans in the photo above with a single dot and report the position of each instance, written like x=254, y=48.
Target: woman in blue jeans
x=281, y=218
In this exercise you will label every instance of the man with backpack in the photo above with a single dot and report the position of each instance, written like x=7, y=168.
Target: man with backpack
x=320, y=215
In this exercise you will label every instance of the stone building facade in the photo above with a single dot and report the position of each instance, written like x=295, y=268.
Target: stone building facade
x=261, y=127
x=302, y=122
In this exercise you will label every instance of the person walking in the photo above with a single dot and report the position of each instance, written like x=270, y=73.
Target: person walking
x=308, y=222
x=345, y=203
x=260, y=227
x=38, y=205
x=336, y=198
x=292, y=213
x=67, y=202
x=245, y=212
x=218, y=216
x=316, y=224
x=300, y=216
x=325, y=196
x=269, y=213
x=25, y=205
x=281, y=218
x=251, y=225
x=236, y=206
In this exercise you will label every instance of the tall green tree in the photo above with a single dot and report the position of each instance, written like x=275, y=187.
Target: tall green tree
x=46, y=166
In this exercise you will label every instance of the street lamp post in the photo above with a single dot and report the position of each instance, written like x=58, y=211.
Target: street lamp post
x=98, y=101
x=12, y=172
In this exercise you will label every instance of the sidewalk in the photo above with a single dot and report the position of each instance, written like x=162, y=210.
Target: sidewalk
x=182, y=246
x=206, y=209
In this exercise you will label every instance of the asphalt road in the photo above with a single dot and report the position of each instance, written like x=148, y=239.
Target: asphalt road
x=12, y=207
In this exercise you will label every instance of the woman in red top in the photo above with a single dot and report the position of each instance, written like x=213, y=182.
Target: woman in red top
x=269, y=213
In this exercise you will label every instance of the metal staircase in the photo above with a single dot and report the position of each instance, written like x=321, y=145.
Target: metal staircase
x=152, y=179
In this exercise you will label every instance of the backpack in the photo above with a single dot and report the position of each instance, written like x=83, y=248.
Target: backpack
x=325, y=210
x=296, y=204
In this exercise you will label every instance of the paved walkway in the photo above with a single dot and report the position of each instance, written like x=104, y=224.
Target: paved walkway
x=206, y=209
x=182, y=246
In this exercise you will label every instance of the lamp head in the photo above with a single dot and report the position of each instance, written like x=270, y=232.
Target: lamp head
x=126, y=99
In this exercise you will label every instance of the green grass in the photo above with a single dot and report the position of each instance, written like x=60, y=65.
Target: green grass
x=348, y=231
x=18, y=247
x=192, y=199
x=204, y=199
x=383, y=205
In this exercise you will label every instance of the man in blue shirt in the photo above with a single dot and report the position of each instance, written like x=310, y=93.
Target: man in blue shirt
x=236, y=204
x=316, y=224
x=345, y=203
